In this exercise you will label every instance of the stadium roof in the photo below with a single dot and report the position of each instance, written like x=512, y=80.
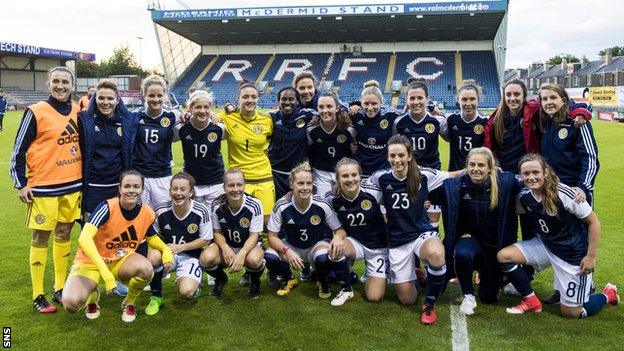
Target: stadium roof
x=433, y=21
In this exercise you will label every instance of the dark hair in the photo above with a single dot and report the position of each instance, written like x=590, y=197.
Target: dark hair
x=106, y=84
x=468, y=86
x=413, y=173
x=343, y=121
x=132, y=172
x=287, y=88
x=503, y=113
x=247, y=84
x=419, y=84
x=188, y=177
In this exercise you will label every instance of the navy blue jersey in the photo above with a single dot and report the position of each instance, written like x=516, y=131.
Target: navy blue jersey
x=463, y=136
x=361, y=218
x=424, y=136
x=288, y=146
x=303, y=228
x=175, y=230
x=406, y=217
x=325, y=148
x=106, y=165
x=152, y=151
x=572, y=152
x=564, y=234
x=202, y=152
x=236, y=227
x=372, y=139
x=513, y=144
x=475, y=216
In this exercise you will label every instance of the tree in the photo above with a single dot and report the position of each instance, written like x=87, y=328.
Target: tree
x=615, y=51
x=557, y=59
x=121, y=62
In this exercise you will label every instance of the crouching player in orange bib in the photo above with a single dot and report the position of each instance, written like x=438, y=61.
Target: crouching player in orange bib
x=107, y=245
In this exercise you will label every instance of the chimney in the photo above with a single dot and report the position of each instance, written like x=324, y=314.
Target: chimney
x=546, y=66
x=584, y=61
x=608, y=57
x=564, y=63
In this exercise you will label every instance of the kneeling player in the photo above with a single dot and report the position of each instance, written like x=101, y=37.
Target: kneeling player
x=237, y=220
x=567, y=240
x=184, y=224
x=107, y=246
x=306, y=222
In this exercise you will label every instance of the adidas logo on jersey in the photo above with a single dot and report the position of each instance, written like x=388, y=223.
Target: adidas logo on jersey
x=407, y=130
x=167, y=226
x=97, y=129
x=319, y=140
x=455, y=128
x=141, y=121
x=125, y=239
x=278, y=122
x=70, y=134
x=389, y=187
x=360, y=122
x=188, y=137
x=342, y=208
x=290, y=221
x=467, y=197
x=222, y=220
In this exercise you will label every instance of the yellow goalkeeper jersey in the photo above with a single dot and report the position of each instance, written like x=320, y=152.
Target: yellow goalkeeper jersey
x=247, y=141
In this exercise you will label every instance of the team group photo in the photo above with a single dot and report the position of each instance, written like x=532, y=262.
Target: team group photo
x=342, y=176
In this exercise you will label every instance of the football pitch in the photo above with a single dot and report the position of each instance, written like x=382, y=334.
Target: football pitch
x=302, y=321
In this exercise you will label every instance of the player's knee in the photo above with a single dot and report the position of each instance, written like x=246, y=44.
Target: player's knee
x=63, y=231
x=374, y=297
x=571, y=312
x=155, y=257
x=40, y=237
x=72, y=304
x=436, y=257
x=462, y=257
x=187, y=292
x=407, y=299
x=503, y=256
x=145, y=271
x=254, y=261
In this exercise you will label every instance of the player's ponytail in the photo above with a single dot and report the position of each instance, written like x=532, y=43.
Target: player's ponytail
x=493, y=176
x=550, y=189
x=413, y=172
x=371, y=87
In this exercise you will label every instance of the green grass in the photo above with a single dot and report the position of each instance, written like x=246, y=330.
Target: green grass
x=302, y=321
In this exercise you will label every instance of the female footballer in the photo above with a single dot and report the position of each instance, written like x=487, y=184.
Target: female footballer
x=329, y=140
x=567, y=239
x=357, y=207
x=404, y=189
x=237, y=220
x=300, y=230
x=107, y=249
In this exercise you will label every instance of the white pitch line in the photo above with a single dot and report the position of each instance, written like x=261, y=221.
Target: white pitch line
x=459, y=328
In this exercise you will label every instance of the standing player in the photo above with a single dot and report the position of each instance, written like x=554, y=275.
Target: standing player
x=201, y=145
x=299, y=232
x=404, y=189
x=237, y=221
x=109, y=133
x=289, y=140
x=466, y=129
x=307, y=86
x=3, y=104
x=357, y=207
x=107, y=245
x=479, y=220
x=248, y=132
x=328, y=141
x=152, y=155
x=373, y=125
x=47, y=143
x=184, y=225
x=567, y=240
x=83, y=103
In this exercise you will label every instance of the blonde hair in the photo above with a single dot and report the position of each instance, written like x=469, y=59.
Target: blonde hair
x=371, y=87
x=198, y=94
x=153, y=80
x=491, y=161
x=302, y=167
x=345, y=161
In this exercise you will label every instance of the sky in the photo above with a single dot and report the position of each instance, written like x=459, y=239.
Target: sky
x=537, y=29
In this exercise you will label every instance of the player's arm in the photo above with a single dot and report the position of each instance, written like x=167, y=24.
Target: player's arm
x=155, y=242
x=588, y=263
x=26, y=133
x=588, y=151
x=87, y=244
x=443, y=127
x=336, y=247
x=273, y=227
